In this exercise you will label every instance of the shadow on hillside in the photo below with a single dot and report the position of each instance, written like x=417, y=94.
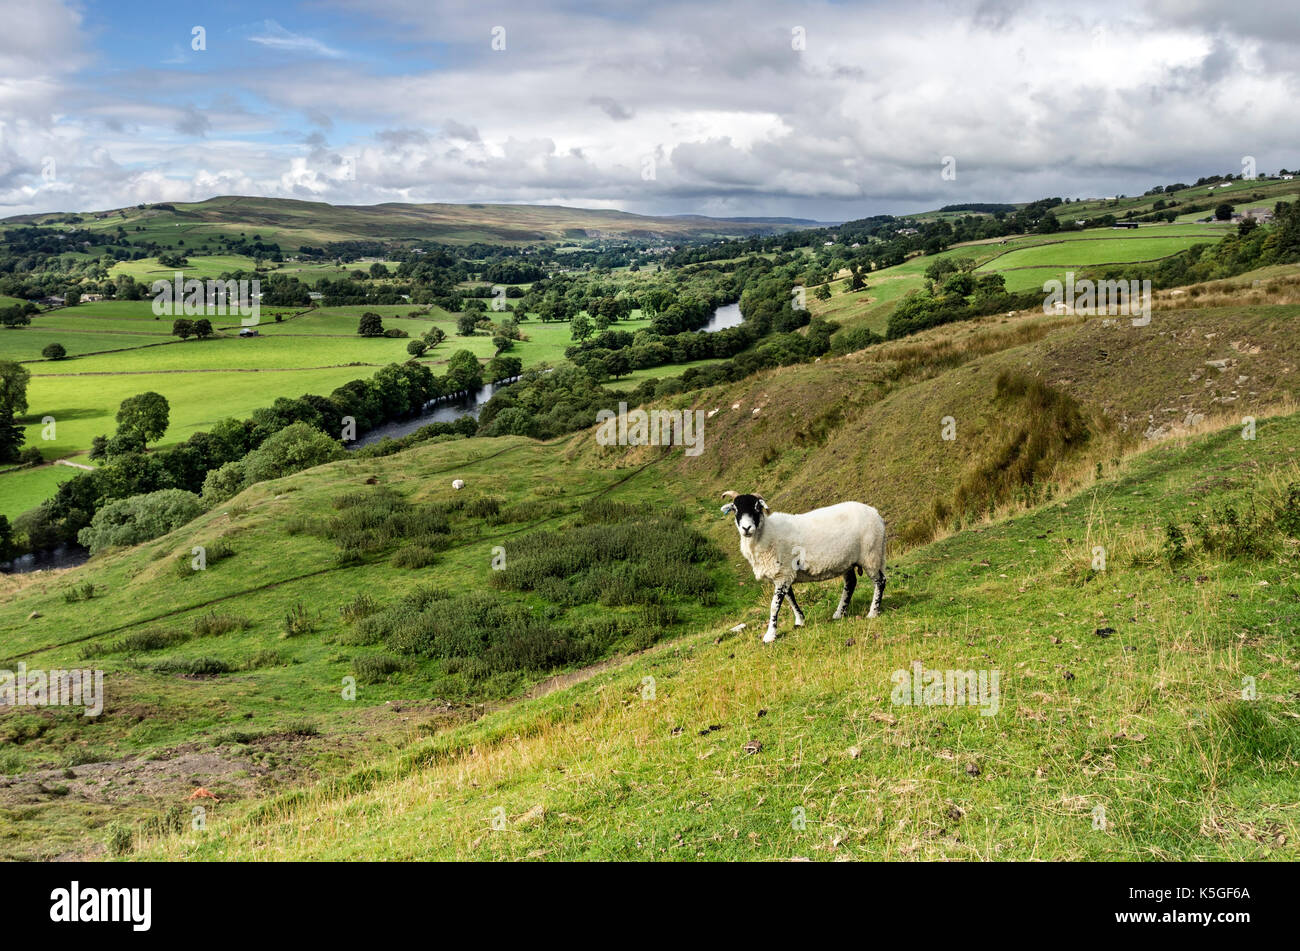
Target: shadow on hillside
x=62, y=415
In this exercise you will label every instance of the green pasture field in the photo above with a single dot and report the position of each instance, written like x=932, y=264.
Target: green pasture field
x=1101, y=250
x=202, y=266
x=205, y=380
x=26, y=344
x=86, y=406
x=23, y=489
x=267, y=352
x=1025, y=262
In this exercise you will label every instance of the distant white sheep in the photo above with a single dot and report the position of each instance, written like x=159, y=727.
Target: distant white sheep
x=826, y=543
x=458, y=484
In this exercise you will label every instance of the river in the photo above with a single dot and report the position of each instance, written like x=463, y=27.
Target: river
x=728, y=315
x=448, y=411
x=443, y=410
x=64, y=556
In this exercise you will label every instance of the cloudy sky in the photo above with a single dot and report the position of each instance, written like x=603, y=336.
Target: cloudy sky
x=821, y=110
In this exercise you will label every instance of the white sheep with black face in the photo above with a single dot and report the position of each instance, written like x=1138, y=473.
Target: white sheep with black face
x=831, y=542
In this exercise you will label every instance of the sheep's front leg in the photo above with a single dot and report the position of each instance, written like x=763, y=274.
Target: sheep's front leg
x=782, y=589
x=850, y=583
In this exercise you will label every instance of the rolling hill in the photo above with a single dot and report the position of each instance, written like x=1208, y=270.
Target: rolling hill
x=291, y=222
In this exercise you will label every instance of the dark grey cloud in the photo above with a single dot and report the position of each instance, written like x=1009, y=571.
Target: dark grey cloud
x=193, y=122
x=611, y=107
x=401, y=137
x=459, y=130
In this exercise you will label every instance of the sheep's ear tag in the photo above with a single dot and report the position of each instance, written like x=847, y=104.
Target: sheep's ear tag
x=728, y=508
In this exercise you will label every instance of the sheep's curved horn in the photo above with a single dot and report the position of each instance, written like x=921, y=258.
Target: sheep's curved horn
x=729, y=494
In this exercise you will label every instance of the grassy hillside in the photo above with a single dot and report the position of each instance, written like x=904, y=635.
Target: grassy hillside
x=1242, y=194
x=1121, y=730
x=292, y=222
x=810, y=434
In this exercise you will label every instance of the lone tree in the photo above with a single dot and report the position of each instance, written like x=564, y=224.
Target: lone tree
x=1223, y=212
x=416, y=348
x=580, y=327
x=183, y=328
x=370, y=325
x=13, y=317
x=466, y=324
x=13, y=403
x=54, y=351
x=618, y=364
x=203, y=328
x=143, y=417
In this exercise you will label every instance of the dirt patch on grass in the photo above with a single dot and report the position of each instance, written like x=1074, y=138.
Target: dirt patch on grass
x=59, y=813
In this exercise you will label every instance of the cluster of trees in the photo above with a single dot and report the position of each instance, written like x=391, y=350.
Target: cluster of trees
x=675, y=302
x=947, y=303
x=17, y=315
x=770, y=304
x=512, y=272
x=545, y=405
x=296, y=447
x=184, y=328
x=371, y=324
x=139, y=518
x=350, y=290
x=776, y=350
x=616, y=353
